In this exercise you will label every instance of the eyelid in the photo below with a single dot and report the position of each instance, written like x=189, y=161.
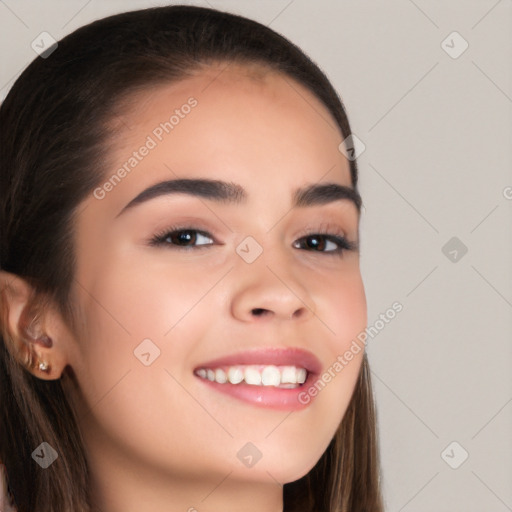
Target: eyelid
x=325, y=228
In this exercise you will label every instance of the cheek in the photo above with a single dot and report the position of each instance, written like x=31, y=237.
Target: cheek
x=157, y=316
x=125, y=304
x=348, y=319
x=126, y=402
x=341, y=308
x=120, y=308
x=151, y=300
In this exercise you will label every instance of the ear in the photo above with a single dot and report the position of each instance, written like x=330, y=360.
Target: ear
x=31, y=328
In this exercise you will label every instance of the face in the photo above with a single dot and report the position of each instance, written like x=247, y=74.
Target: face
x=177, y=282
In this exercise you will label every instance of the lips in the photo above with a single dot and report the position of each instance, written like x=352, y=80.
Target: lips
x=268, y=396
x=269, y=356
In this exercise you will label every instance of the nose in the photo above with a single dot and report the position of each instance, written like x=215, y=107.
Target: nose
x=269, y=290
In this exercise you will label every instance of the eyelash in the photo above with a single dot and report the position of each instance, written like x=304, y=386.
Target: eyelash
x=160, y=239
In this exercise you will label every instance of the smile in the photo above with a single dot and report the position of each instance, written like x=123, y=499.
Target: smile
x=286, y=377
x=270, y=377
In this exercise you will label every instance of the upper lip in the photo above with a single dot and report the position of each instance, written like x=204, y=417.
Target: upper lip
x=269, y=356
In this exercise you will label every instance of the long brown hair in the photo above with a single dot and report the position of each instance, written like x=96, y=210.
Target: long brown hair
x=53, y=153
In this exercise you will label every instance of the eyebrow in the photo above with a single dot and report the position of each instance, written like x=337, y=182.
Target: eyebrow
x=233, y=193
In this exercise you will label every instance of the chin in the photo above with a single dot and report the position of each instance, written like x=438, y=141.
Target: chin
x=291, y=470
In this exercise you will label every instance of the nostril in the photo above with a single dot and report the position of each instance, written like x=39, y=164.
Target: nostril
x=258, y=311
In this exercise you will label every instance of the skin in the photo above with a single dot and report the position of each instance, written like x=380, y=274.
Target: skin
x=157, y=438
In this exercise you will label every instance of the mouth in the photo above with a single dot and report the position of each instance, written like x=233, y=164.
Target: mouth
x=270, y=377
x=283, y=377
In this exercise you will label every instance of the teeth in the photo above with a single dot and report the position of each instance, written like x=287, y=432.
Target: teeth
x=252, y=376
x=256, y=375
x=289, y=375
x=235, y=375
x=271, y=376
x=220, y=376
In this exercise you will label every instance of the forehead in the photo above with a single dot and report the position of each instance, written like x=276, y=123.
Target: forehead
x=229, y=94
x=248, y=125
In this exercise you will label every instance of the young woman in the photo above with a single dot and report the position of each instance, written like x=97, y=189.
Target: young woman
x=180, y=281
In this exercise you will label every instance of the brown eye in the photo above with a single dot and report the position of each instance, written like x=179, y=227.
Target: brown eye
x=186, y=238
x=182, y=237
x=326, y=244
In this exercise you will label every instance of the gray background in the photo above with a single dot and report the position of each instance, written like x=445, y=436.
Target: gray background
x=436, y=165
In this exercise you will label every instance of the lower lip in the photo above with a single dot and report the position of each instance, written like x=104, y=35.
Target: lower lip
x=270, y=397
